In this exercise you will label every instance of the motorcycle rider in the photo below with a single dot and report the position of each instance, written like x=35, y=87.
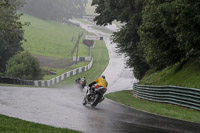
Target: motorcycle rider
x=82, y=83
x=100, y=82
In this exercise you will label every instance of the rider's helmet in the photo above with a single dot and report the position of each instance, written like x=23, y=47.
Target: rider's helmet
x=103, y=76
x=83, y=79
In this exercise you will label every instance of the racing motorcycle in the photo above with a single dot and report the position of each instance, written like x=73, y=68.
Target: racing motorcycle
x=82, y=83
x=93, y=95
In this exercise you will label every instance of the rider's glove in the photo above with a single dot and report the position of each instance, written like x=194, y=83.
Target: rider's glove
x=91, y=84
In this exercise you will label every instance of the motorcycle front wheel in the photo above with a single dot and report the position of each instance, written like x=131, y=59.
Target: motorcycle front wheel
x=84, y=101
x=96, y=100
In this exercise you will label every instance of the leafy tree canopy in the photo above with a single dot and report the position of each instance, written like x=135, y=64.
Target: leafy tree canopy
x=11, y=32
x=127, y=39
x=157, y=33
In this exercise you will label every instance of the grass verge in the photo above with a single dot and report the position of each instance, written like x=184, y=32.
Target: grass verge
x=184, y=74
x=14, y=125
x=168, y=110
x=61, y=71
x=101, y=59
x=51, y=38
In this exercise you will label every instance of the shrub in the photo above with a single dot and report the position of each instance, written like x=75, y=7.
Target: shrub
x=23, y=65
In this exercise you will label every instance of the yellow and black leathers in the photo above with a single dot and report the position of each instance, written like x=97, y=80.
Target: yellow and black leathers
x=101, y=82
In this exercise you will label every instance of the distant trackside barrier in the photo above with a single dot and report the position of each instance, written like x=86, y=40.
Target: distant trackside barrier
x=186, y=97
x=63, y=76
x=51, y=82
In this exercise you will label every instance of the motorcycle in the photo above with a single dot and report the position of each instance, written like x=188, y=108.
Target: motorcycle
x=82, y=83
x=94, y=95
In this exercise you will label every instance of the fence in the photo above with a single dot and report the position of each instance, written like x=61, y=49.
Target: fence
x=51, y=82
x=9, y=80
x=182, y=96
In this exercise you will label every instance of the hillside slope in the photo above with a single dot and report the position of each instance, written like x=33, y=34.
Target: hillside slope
x=51, y=38
x=186, y=74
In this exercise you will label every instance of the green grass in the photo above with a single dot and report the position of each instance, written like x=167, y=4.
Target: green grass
x=52, y=39
x=13, y=125
x=61, y=71
x=186, y=74
x=172, y=111
x=101, y=59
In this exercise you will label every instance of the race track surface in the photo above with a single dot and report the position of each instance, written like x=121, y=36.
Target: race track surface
x=63, y=108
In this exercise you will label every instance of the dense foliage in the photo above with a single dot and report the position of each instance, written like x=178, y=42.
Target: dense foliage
x=54, y=9
x=23, y=65
x=157, y=33
x=127, y=39
x=11, y=32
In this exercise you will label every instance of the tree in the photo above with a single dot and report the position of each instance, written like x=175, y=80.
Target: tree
x=24, y=66
x=158, y=37
x=169, y=31
x=188, y=24
x=11, y=32
x=127, y=39
x=157, y=33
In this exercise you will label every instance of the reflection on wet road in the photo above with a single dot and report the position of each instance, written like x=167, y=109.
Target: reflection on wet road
x=63, y=108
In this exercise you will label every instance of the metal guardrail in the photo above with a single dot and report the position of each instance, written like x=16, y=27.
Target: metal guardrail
x=182, y=96
x=9, y=80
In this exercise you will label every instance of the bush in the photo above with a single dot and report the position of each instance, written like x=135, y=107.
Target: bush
x=23, y=65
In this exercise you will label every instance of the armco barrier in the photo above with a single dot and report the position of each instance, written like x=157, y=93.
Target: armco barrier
x=51, y=82
x=182, y=96
x=84, y=58
x=66, y=75
x=9, y=80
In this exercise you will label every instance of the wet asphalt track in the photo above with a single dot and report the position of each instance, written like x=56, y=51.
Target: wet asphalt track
x=63, y=107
